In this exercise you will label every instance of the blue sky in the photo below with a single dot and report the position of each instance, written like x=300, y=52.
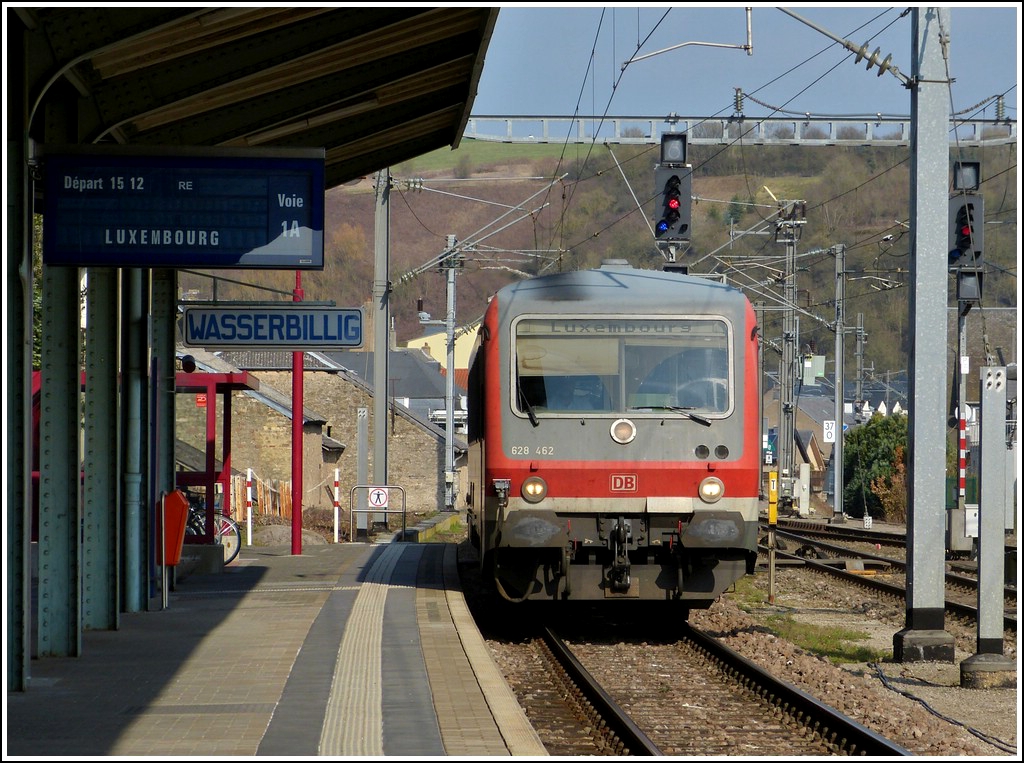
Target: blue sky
x=547, y=60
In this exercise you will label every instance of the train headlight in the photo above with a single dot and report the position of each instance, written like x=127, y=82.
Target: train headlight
x=711, y=489
x=534, y=489
x=623, y=431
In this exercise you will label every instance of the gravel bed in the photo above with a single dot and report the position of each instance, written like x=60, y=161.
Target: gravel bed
x=937, y=718
x=919, y=706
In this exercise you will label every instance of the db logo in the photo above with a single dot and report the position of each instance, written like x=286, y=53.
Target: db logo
x=623, y=483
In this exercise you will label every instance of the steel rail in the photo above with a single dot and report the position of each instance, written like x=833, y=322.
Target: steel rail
x=847, y=734
x=635, y=740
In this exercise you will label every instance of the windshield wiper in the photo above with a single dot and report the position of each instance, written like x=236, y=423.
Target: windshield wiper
x=526, y=404
x=676, y=409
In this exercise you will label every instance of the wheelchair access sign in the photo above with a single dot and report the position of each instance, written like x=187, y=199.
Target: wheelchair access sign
x=378, y=497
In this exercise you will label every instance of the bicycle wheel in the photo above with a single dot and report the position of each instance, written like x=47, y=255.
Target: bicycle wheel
x=229, y=535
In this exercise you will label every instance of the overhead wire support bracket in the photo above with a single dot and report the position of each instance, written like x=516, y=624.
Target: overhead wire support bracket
x=861, y=51
x=668, y=250
x=749, y=46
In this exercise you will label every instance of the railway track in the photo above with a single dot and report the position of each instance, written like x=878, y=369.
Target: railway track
x=691, y=695
x=605, y=722
x=958, y=578
x=849, y=564
x=638, y=693
x=638, y=659
x=848, y=533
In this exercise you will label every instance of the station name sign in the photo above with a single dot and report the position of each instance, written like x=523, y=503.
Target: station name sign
x=129, y=206
x=277, y=328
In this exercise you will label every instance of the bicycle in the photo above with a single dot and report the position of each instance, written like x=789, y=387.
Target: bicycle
x=226, y=533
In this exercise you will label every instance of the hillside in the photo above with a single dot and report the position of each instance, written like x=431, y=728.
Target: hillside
x=495, y=199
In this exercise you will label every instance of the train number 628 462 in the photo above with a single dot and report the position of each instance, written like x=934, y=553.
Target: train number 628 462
x=540, y=450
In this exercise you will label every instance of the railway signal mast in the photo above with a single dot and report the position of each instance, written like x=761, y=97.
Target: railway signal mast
x=673, y=179
x=966, y=221
x=789, y=222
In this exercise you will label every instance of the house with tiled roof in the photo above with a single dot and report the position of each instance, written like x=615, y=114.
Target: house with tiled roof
x=337, y=435
x=340, y=385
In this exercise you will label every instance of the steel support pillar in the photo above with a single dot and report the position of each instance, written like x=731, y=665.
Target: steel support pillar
x=60, y=516
x=101, y=535
x=18, y=299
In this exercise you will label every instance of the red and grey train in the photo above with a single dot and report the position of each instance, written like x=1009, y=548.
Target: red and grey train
x=614, y=437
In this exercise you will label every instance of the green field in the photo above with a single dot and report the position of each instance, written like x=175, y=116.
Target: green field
x=480, y=153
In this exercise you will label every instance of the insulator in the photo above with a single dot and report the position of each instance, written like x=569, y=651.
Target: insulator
x=738, y=100
x=1000, y=108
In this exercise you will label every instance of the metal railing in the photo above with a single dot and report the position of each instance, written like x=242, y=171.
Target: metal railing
x=811, y=130
x=375, y=505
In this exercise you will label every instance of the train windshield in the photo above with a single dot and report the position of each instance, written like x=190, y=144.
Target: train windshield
x=564, y=365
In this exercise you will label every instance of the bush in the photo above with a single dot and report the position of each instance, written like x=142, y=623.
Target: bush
x=869, y=458
x=892, y=490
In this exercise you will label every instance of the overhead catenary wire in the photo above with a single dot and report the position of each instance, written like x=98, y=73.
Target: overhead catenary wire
x=739, y=140
x=478, y=236
x=569, y=188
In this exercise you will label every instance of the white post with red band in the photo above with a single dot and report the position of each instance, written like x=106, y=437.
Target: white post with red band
x=336, y=474
x=248, y=506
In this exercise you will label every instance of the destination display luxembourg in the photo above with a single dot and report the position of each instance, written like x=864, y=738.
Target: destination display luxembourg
x=218, y=208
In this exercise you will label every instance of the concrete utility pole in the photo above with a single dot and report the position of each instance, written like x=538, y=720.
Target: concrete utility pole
x=924, y=637
x=449, y=262
x=452, y=264
x=792, y=216
x=381, y=327
x=837, y=448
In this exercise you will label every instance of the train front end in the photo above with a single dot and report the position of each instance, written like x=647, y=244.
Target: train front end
x=614, y=437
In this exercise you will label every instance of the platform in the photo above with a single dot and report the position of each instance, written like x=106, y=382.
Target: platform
x=355, y=649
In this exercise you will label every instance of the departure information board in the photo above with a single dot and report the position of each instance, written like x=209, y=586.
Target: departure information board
x=207, y=209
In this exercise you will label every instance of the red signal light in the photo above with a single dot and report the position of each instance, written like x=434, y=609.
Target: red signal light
x=669, y=186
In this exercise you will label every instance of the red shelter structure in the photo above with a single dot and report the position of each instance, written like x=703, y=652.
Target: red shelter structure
x=214, y=385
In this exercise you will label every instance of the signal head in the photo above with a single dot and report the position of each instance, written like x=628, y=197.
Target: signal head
x=966, y=219
x=673, y=148
x=673, y=213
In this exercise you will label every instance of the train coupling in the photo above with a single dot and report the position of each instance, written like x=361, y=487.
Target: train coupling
x=618, y=540
x=501, y=487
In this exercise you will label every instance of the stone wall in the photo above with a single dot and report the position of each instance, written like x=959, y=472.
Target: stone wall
x=261, y=440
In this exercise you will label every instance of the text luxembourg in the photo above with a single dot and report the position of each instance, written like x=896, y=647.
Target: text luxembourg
x=274, y=327
x=160, y=237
